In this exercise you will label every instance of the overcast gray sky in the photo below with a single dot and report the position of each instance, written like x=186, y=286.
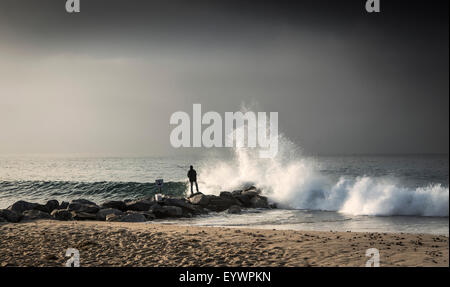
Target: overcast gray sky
x=106, y=80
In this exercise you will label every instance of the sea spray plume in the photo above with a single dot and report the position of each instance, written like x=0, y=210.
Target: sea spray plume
x=277, y=177
x=293, y=181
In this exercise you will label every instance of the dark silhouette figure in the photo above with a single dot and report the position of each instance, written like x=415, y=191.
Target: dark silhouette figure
x=192, y=174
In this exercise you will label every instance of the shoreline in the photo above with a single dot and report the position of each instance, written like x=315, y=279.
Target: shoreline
x=120, y=244
x=214, y=220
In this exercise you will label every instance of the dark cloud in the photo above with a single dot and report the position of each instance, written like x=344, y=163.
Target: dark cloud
x=342, y=80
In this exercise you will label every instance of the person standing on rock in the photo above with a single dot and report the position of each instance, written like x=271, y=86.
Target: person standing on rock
x=192, y=174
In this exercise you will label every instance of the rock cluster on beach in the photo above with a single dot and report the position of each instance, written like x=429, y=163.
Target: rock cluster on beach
x=136, y=210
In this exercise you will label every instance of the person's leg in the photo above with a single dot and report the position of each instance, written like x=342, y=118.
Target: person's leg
x=192, y=188
x=196, y=185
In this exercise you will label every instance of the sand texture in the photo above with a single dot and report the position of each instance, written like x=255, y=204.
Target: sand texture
x=44, y=243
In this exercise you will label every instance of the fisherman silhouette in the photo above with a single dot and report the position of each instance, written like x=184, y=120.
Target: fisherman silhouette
x=192, y=174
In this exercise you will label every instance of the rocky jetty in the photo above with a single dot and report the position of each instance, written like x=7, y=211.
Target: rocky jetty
x=141, y=210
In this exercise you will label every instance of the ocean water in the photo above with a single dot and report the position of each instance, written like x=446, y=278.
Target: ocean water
x=358, y=193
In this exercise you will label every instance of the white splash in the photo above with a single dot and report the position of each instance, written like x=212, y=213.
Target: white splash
x=294, y=181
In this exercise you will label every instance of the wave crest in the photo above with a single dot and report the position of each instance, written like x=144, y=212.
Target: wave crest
x=294, y=182
x=40, y=191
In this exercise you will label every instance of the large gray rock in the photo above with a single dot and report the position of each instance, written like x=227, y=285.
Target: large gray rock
x=47, y=207
x=41, y=207
x=252, y=198
x=166, y=211
x=126, y=217
x=229, y=196
x=199, y=199
x=74, y=206
x=35, y=214
x=63, y=205
x=52, y=205
x=82, y=207
x=21, y=206
x=235, y=209
x=259, y=202
x=116, y=204
x=139, y=205
x=3, y=220
x=102, y=213
x=214, y=203
x=83, y=201
x=188, y=208
x=79, y=215
x=217, y=203
x=251, y=192
x=245, y=199
x=10, y=216
x=172, y=211
x=61, y=214
x=147, y=214
x=226, y=194
x=180, y=202
x=236, y=192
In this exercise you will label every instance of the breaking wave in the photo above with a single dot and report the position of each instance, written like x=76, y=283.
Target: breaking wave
x=40, y=191
x=294, y=182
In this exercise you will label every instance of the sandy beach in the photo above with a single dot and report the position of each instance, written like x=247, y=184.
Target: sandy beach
x=44, y=243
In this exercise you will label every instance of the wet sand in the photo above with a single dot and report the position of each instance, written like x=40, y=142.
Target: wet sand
x=44, y=243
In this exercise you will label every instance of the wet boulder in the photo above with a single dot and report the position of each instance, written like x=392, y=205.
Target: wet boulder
x=199, y=199
x=245, y=199
x=185, y=205
x=226, y=194
x=35, y=214
x=80, y=215
x=48, y=207
x=139, y=205
x=172, y=211
x=180, y=202
x=251, y=197
x=116, y=204
x=234, y=209
x=82, y=207
x=259, y=202
x=10, y=215
x=63, y=205
x=217, y=203
x=61, y=214
x=147, y=214
x=236, y=192
x=229, y=195
x=166, y=211
x=102, y=213
x=251, y=192
x=83, y=201
x=52, y=205
x=126, y=217
x=21, y=206
x=213, y=202
x=74, y=206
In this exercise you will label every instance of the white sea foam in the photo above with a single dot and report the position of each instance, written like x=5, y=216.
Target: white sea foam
x=293, y=181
